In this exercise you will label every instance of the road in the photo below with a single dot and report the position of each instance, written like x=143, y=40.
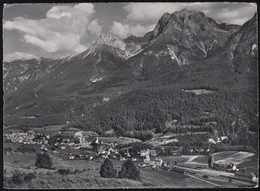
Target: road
x=206, y=171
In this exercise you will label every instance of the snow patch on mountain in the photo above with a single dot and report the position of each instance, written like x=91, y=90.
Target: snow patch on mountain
x=172, y=50
x=96, y=79
x=203, y=49
x=213, y=44
x=107, y=39
x=135, y=53
x=254, y=49
x=87, y=54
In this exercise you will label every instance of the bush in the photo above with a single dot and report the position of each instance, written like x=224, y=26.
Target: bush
x=129, y=171
x=43, y=161
x=8, y=149
x=107, y=170
x=24, y=150
x=29, y=177
x=64, y=171
x=17, y=177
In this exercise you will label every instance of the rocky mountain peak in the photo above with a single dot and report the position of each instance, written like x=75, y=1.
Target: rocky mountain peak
x=180, y=20
x=107, y=39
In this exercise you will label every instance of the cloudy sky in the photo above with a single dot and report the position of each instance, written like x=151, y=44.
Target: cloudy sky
x=55, y=30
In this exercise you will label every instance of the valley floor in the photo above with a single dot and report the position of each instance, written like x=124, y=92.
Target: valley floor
x=87, y=174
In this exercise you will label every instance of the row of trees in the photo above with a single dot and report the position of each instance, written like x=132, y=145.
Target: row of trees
x=128, y=170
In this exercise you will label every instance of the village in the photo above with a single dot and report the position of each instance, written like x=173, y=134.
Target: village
x=74, y=144
x=83, y=141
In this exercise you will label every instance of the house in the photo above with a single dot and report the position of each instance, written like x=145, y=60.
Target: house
x=71, y=157
x=100, y=148
x=145, y=153
x=115, y=151
x=147, y=160
x=153, y=153
x=43, y=148
x=158, y=161
x=211, y=140
x=63, y=147
x=254, y=178
x=97, y=141
x=152, y=163
x=233, y=167
x=223, y=138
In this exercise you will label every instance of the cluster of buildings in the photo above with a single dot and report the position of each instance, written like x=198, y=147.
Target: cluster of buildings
x=28, y=137
x=104, y=150
x=159, y=141
x=150, y=158
x=226, y=167
x=217, y=140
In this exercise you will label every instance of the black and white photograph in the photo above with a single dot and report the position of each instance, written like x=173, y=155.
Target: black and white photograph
x=130, y=95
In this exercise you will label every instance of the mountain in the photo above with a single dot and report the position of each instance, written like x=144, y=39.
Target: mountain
x=143, y=83
x=244, y=47
x=17, y=72
x=68, y=84
x=178, y=39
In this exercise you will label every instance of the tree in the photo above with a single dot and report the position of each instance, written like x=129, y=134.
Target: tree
x=158, y=129
x=129, y=171
x=107, y=170
x=43, y=161
x=17, y=177
x=94, y=146
x=211, y=161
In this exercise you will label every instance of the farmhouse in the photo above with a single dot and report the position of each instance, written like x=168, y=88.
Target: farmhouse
x=158, y=161
x=153, y=153
x=145, y=153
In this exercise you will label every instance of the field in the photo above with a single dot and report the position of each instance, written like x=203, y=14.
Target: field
x=118, y=140
x=51, y=129
x=232, y=157
x=243, y=160
x=165, y=179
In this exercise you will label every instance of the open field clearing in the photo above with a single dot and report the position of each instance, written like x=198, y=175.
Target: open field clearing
x=50, y=129
x=232, y=157
x=118, y=140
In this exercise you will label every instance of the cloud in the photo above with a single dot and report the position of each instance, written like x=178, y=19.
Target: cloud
x=119, y=44
x=123, y=30
x=19, y=56
x=120, y=30
x=232, y=13
x=94, y=28
x=61, y=30
x=145, y=12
